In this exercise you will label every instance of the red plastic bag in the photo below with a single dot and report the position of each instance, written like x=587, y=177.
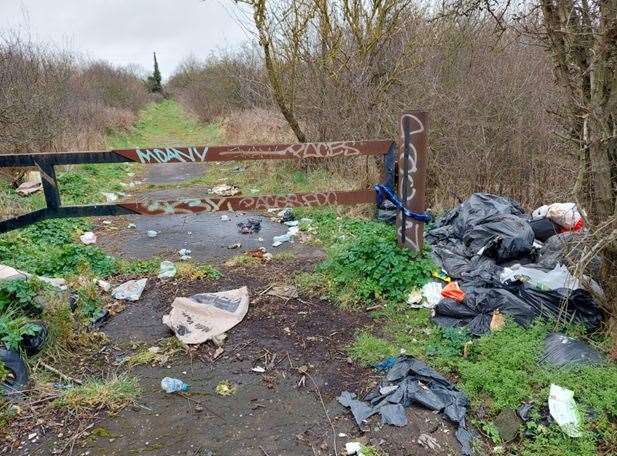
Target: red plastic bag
x=453, y=291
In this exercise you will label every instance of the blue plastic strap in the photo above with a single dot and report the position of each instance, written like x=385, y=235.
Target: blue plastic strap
x=384, y=192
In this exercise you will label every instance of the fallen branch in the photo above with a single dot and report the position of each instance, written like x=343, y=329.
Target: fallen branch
x=60, y=374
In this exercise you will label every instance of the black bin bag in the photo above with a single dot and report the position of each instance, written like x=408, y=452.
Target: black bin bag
x=504, y=237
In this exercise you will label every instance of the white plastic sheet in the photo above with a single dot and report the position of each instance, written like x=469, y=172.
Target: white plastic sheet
x=563, y=409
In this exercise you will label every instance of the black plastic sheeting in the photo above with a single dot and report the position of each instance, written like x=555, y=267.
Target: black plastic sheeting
x=18, y=372
x=32, y=344
x=521, y=302
x=561, y=350
x=411, y=382
x=473, y=243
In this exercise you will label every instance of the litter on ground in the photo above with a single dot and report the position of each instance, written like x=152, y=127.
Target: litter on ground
x=28, y=188
x=129, y=291
x=225, y=190
x=9, y=273
x=203, y=316
x=167, y=270
x=88, y=238
x=173, y=385
x=562, y=406
x=416, y=384
x=482, y=244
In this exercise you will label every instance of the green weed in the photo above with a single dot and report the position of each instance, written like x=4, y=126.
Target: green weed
x=111, y=394
x=370, y=265
x=368, y=349
x=13, y=328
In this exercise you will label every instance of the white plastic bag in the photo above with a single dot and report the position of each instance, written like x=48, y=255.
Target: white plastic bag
x=565, y=215
x=562, y=406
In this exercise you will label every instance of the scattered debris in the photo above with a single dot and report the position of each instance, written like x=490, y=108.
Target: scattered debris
x=237, y=245
x=88, y=238
x=415, y=298
x=250, y=226
x=429, y=442
x=226, y=388
x=110, y=197
x=9, y=273
x=199, y=318
x=385, y=364
x=103, y=285
x=287, y=237
x=167, y=270
x=566, y=215
x=417, y=383
x=559, y=277
x=185, y=254
x=173, y=385
x=284, y=292
x=497, y=321
x=561, y=350
x=35, y=340
x=562, y=407
x=225, y=190
x=152, y=233
x=353, y=448
x=431, y=292
x=130, y=291
x=28, y=188
x=260, y=253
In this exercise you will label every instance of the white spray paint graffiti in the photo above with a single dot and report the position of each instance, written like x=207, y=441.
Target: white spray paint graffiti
x=170, y=154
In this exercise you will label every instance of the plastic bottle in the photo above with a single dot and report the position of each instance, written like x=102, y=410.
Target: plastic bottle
x=173, y=385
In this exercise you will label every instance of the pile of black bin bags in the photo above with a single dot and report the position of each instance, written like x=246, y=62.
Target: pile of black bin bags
x=475, y=241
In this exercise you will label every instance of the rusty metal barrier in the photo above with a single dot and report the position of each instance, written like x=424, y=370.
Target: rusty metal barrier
x=412, y=160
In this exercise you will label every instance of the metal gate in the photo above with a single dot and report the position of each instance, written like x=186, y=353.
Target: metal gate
x=408, y=170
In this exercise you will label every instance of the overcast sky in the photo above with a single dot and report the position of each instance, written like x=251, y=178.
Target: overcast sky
x=128, y=31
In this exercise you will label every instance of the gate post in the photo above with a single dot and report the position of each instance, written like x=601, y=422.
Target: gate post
x=412, y=165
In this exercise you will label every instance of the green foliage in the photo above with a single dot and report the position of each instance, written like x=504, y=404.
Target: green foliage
x=368, y=349
x=85, y=184
x=13, y=328
x=4, y=374
x=131, y=267
x=371, y=266
x=20, y=295
x=164, y=124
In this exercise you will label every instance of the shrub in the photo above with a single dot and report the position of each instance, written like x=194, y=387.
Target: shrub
x=372, y=266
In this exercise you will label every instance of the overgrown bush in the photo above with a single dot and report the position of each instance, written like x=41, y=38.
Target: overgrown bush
x=50, y=101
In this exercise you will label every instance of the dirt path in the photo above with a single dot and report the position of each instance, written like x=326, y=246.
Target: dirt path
x=278, y=412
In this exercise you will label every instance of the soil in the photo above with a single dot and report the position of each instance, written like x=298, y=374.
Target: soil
x=290, y=409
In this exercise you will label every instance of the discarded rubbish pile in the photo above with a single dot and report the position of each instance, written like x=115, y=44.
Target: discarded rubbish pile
x=408, y=382
x=490, y=247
